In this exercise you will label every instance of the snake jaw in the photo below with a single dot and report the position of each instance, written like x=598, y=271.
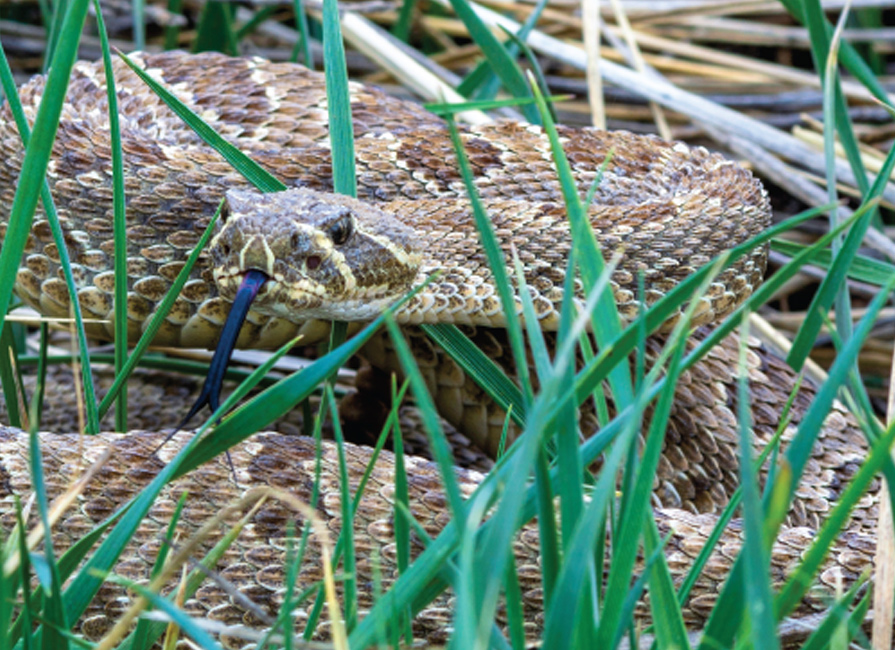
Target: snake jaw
x=325, y=255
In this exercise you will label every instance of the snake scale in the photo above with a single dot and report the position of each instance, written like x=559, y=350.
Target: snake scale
x=669, y=208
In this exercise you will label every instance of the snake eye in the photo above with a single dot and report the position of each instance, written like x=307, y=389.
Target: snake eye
x=225, y=212
x=341, y=229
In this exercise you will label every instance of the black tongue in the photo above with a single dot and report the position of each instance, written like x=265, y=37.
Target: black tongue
x=211, y=389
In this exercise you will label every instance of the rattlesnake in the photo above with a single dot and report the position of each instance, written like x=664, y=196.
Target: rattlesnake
x=668, y=207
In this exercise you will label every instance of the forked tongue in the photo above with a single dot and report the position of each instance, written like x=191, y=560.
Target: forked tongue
x=211, y=389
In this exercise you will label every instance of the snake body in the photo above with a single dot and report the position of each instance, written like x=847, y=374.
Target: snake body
x=666, y=208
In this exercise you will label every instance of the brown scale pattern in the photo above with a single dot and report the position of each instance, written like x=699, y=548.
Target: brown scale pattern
x=669, y=207
x=254, y=565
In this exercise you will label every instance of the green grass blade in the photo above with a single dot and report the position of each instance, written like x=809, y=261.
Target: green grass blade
x=762, y=627
x=497, y=264
x=445, y=109
x=593, y=373
x=605, y=323
x=799, y=582
x=138, y=22
x=188, y=624
x=862, y=268
x=341, y=132
x=635, y=507
x=172, y=31
x=831, y=283
x=579, y=550
x=303, y=46
x=252, y=172
x=349, y=599
x=401, y=28
x=157, y=319
x=35, y=408
x=401, y=525
x=671, y=632
x=497, y=56
x=216, y=30
x=480, y=367
x=9, y=379
x=119, y=222
x=483, y=81
x=54, y=613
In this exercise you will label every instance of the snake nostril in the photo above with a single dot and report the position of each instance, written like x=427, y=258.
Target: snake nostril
x=225, y=249
x=313, y=262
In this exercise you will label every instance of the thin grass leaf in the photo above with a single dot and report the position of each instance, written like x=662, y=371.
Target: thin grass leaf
x=823, y=45
x=67, y=564
x=402, y=501
x=440, y=447
x=30, y=608
x=13, y=395
x=757, y=592
x=668, y=620
x=35, y=409
x=497, y=56
x=579, y=549
x=733, y=503
x=44, y=564
x=119, y=223
x=349, y=599
x=444, y=109
x=635, y=593
x=191, y=626
x=593, y=373
x=257, y=20
x=839, y=616
x=341, y=132
x=143, y=635
x=533, y=62
x=605, y=322
x=862, y=268
x=254, y=173
x=172, y=30
x=480, y=367
x=633, y=515
x=138, y=21
x=831, y=283
x=216, y=31
x=515, y=618
x=303, y=46
x=483, y=80
x=498, y=266
x=800, y=581
x=547, y=515
x=158, y=319
x=401, y=28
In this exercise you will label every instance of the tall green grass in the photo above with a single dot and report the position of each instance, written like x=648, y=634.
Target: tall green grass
x=588, y=587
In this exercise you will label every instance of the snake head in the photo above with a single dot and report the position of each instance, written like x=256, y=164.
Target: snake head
x=325, y=255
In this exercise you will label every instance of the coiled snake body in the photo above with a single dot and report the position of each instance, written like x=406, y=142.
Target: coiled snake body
x=668, y=208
